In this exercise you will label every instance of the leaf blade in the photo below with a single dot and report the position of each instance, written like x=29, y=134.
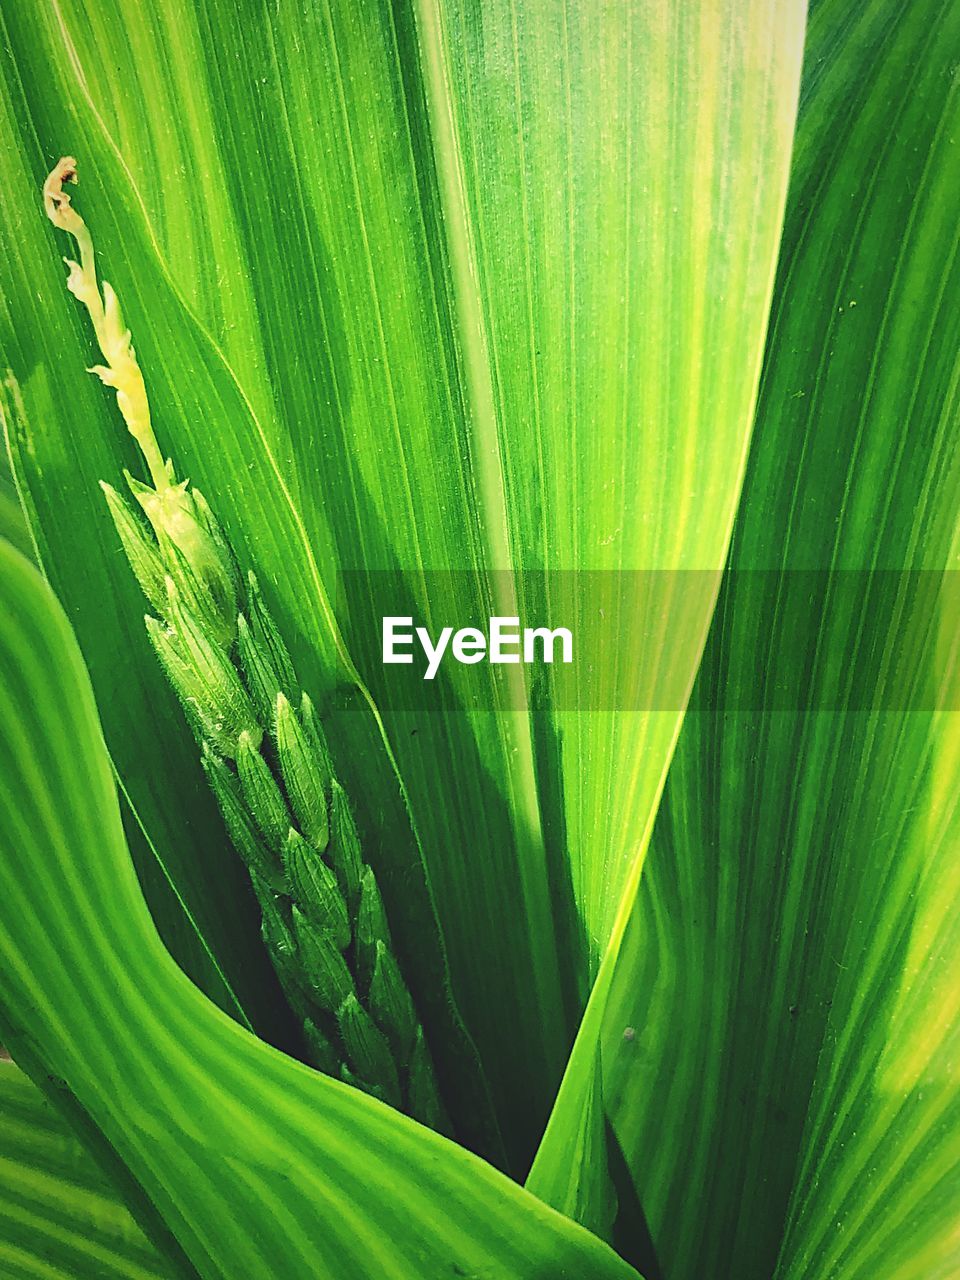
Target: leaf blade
x=723, y=175
x=783, y=927
x=251, y=1159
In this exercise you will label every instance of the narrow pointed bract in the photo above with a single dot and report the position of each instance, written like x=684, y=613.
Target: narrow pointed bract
x=217, y=678
x=314, y=887
x=367, y=1048
x=390, y=1003
x=258, y=672
x=305, y=775
x=277, y=933
x=371, y=922
x=261, y=794
x=313, y=731
x=344, y=848
x=324, y=969
x=141, y=550
x=244, y=834
x=186, y=684
x=269, y=650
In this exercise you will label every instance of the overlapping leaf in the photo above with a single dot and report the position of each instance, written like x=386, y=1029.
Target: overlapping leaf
x=726, y=86
x=244, y=1161
x=781, y=1046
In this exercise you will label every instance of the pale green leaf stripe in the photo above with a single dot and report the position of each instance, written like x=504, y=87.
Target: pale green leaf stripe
x=257, y=1165
x=59, y=1218
x=712, y=135
x=790, y=974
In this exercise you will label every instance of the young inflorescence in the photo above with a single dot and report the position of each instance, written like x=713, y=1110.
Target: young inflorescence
x=263, y=748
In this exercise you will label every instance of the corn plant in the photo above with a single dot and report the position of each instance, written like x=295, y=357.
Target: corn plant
x=636, y=321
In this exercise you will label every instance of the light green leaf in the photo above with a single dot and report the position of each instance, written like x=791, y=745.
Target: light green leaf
x=723, y=83
x=255, y=1164
x=787, y=1096
x=59, y=1217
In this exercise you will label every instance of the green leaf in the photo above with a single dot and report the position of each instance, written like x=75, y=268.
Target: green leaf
x=787, y=1099
x=480, y=318
x=59, y=1217
x=185, y=874
x=704, y=264
x=256, y=1164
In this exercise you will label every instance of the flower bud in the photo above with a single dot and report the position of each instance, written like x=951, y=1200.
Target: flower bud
x=263, y=655
x=344, y=848
x=368, y=1052
x=371, y=925
x=223, y=699
x=390, y=1003
x=277, y=934
x=323, y=969
x=305, y=776
x=247, y=840
x=206, y=574
x=261, y=794
x=314, y=888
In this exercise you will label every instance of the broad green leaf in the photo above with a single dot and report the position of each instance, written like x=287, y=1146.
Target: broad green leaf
x=613, y=330
x=59, y=1217
x=781, y=1045
x=722, y=88
x=491, y=281
x=255, y=1164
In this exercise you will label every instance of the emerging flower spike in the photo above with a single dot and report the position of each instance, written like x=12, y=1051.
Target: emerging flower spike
x=263, y=748
x=178, y=515
x=121, y=370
